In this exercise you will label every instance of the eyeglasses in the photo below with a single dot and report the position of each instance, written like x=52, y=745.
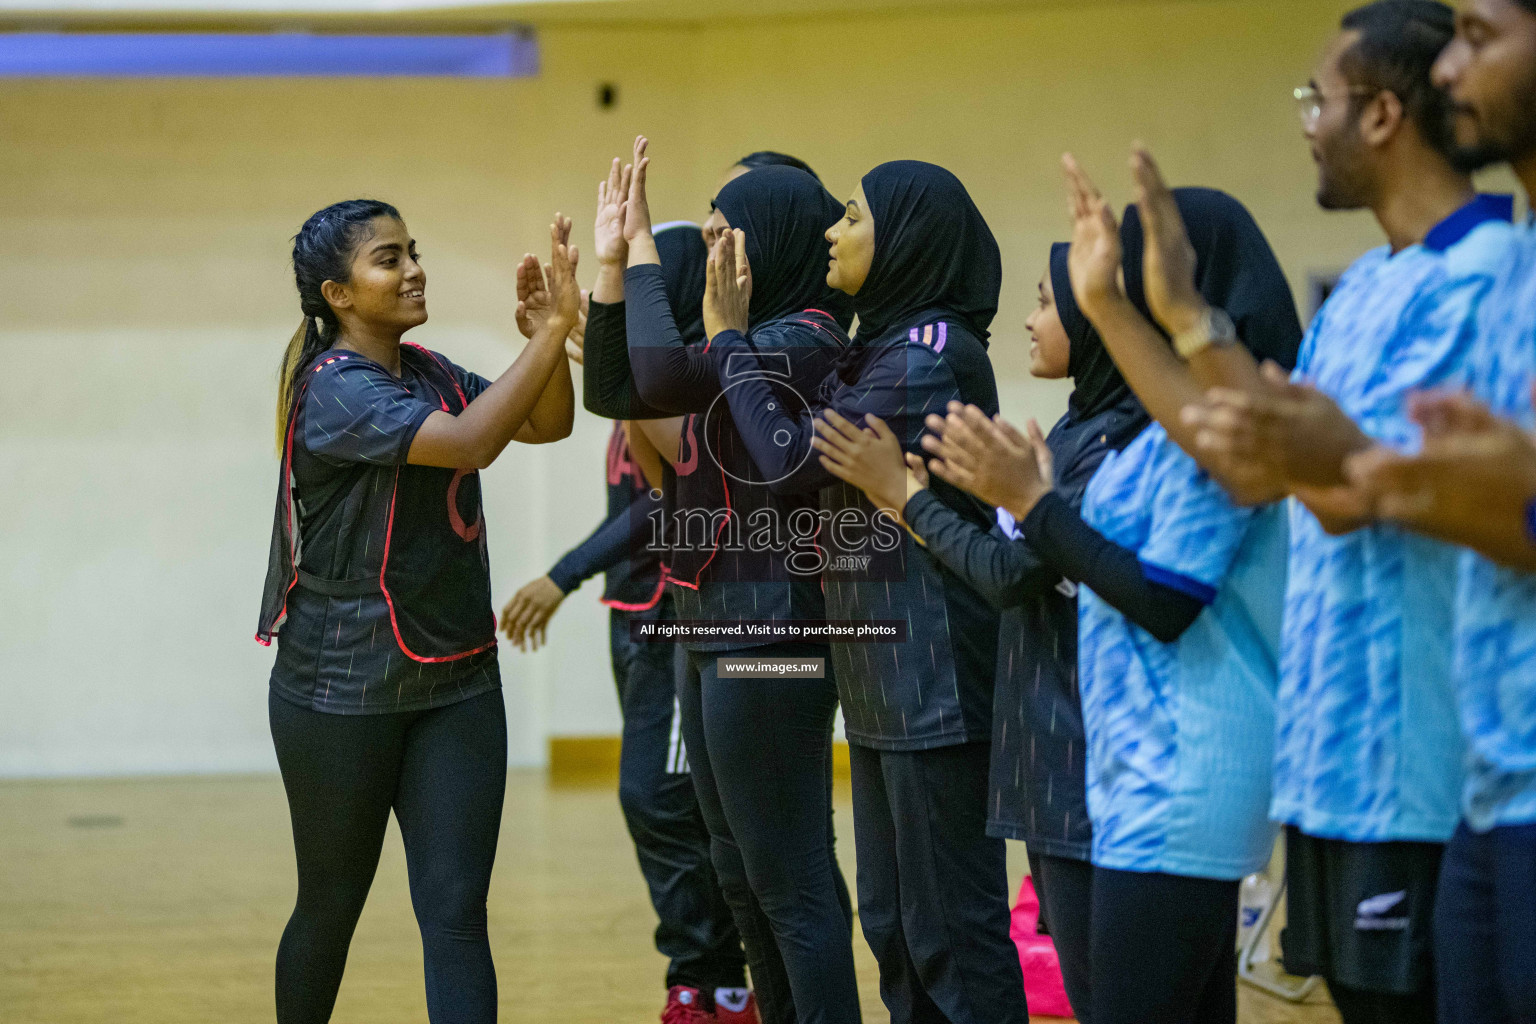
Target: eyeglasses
x=1310, y=99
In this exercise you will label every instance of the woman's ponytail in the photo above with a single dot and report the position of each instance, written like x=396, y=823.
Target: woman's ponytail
x=302, y=349
x=322, y=251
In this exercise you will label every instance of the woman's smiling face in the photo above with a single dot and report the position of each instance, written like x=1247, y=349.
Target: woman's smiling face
x=388, y=287
x=1050, y=350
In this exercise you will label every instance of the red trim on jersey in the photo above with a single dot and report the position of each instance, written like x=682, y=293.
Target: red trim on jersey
x=394, y=625
x=623, y=606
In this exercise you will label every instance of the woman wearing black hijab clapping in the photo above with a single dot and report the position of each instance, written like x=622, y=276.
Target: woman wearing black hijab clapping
x=759, y=747
x=924, y=272
x=1179, y=605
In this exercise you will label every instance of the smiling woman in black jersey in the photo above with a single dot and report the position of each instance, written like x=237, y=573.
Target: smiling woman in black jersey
x=385, y=694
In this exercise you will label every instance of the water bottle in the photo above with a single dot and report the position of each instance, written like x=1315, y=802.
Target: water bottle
x=1253, y=899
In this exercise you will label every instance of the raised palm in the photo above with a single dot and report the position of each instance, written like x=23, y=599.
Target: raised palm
x=608, y=228
x=637, y=208
x=1096, y=254
x=551, y=289
x=1168, y=259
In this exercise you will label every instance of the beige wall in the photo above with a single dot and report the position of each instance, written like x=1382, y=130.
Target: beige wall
x=145, y=296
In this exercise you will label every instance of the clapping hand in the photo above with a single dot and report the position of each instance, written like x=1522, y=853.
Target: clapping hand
x=637, y=207
x=1282, y=434
x=1096, y=254
x=869, y=458
x=727, y=285
x=1472, y=481
x=548, y=295
x=612, y=247
x=989, y=458
x=1168, y=256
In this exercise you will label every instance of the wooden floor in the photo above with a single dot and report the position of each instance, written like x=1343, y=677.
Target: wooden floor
x=160, y=901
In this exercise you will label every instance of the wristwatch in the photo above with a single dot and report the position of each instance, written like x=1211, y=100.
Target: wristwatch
x=1214, y=327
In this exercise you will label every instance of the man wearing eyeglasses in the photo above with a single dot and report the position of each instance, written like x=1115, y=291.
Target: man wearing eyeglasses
x=1368, y=753
x=1473, y=483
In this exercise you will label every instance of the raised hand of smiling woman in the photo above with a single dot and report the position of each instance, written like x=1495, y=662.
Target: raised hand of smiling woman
x=549, y=292
x=727, y=285
x=610, y=244
x=989, y=458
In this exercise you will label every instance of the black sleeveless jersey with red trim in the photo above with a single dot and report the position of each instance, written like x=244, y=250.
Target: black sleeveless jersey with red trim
x=379, y=587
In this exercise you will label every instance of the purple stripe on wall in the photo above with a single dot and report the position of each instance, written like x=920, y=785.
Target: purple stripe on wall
x=262, y=55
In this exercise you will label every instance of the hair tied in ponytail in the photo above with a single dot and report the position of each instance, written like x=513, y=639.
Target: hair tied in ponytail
x=322, y=251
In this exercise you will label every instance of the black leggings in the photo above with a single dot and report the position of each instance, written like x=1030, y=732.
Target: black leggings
x=444, y=773
x=761, y=755
x=1065, y=888
x=1164, y=948
x=1142, y=948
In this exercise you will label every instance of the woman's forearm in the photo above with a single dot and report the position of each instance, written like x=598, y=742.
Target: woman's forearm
x=669, y=375
x=664, y=437
x=1153, y=370
x=555, y=412
x=1005, y=572
x=644, y=451
x=475, y=437
x=609, y=287
x=1083, y=555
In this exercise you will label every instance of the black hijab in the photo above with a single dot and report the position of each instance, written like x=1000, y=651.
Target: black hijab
x=683, y=259
x=933, y=251
x=1103, y=414
x=1235, y=269
x=785, y=213
x=1097, y=382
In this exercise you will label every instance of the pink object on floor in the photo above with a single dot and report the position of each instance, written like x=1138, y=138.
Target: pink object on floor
x=1043, y=986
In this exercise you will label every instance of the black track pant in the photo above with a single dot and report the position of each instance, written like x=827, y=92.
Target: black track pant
x=1065, y=888
x=696, y=931
x=444, y=774
x=933, y=887
x=761, y=755
x=1164, y=949
x=1485, y=927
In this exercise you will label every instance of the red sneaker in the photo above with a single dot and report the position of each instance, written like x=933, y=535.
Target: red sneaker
x=746, y=1013
x=683, y=1007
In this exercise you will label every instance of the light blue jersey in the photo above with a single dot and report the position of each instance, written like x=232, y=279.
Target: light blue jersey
x=1180, y=735
x=1496, y=622
x=1367, y=748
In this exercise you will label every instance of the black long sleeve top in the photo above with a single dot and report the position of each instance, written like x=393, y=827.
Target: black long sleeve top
x=935, y=689
x=723, y=570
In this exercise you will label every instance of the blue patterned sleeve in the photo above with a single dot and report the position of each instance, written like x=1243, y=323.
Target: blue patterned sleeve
x=355, y=411
x=1195, y=531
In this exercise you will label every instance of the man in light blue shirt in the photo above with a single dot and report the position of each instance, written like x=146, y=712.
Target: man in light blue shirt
x=1367, y=758
x=1474, y=484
